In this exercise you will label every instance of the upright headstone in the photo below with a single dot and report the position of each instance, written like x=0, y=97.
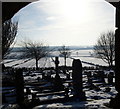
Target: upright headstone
x=35, y=101
x=110, y=78
x=77, y=80
x=19, y=81
x=102, y=76
x=89, y=76
x=3, y=98
x=28, y=91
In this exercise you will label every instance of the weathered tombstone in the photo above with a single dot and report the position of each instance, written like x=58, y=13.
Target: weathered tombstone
x=89, y=76
x=110, y=78
x=66, y=93
x=68, y=76
x=3, y=98
x=43, y=75
x=19, y=86
x=107, y=89
x=77, y=80
x=28, y=91
x=3, y=67
x=102, y=76
x=35, y=101
x=38, y=79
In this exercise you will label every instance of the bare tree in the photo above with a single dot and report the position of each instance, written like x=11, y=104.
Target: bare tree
x=9, y=32
x=105, y=47
x=35, y=51
x=64, y=52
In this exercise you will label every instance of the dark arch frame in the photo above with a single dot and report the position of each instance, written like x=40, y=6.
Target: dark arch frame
x=10, y=8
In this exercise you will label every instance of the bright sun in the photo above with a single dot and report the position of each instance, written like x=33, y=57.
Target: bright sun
x=74, y=9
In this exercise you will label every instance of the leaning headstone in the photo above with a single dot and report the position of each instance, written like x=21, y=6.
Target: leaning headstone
x=77, y=80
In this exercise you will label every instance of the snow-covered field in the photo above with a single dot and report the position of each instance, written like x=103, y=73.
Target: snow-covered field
x=83, y=55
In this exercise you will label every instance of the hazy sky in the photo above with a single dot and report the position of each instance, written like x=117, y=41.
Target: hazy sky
x=65, y=22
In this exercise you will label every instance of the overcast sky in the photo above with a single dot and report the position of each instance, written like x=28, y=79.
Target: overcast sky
x=65, y=22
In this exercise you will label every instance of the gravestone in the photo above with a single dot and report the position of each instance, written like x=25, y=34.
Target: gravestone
x=3, y=98
x=77, y=80
x=28, y=91
x=110, y=78
x=89, y=76
x=102, y=76
x=34, y=102
x=19, y=86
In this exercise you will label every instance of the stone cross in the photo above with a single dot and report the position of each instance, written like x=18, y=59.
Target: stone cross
x=58, y=82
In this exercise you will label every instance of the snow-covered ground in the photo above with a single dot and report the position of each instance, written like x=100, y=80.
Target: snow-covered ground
x=95, y=99
x=95, y=104
x=83, y=55
x=102, y=98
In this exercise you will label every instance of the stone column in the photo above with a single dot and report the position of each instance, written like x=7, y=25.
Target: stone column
x=117, y=50
x=77, y=80
x=115, y=102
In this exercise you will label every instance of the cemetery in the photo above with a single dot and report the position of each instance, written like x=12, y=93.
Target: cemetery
x=29, y=88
